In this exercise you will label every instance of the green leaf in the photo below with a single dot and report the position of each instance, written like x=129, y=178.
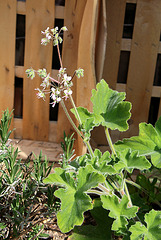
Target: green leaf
x=109, y=107
x=150, y=232
x=119, y=210
x=2, y=225
x=130, y=160
x=87, y=119
x=74, y=200
x=101, y=162
x=101, y=231
x=147, y=143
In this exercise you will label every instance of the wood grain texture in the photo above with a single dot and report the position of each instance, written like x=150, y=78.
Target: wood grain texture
x=26, y=147
x=7, y=53
x=86, y=60
x=39, y=16
x=144, y=50
x=115, y=11
x=72, y=20
x=101, y=40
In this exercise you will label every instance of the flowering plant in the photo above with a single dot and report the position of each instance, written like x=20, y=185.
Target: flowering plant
x=103, y=183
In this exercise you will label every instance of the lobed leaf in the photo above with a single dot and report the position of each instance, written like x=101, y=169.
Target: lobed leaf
x=150, y=232
x=101, y=231
x=119, y=210
x=109, y=110
x=130, y=160
x=147, y=143
x=109, y=107
x=74, y=200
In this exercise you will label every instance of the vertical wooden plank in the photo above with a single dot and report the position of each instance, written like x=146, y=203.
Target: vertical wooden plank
x=39, y=16
x=144, y=49
x=115, y=11
x=86, y=59
x=72, y=20
x=101, y=40
x=7, y=53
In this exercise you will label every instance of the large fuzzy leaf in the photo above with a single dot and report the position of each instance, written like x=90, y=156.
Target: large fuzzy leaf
x=101, y=231
x=150, y=232
x=119, y=210
x=109, y=110
x=109, y=107
x=147, y=143
x=74, y=200
x=129, y=160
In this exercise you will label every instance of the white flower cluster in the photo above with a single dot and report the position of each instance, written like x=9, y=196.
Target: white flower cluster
x=59, y=89
x=52, y=34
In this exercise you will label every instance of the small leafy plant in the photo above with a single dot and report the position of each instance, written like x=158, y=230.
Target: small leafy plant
x=25, y=201
x=103, y=184
x=68, y=151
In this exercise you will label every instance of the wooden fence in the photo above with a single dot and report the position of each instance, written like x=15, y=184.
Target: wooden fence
x=118, y=40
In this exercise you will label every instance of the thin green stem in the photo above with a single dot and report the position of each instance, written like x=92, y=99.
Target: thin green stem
x=89, y=148
x=70, y=119
x=93, y=191
x=126, y=190
x=127, y=193
x=109, y=141
x=135, y=185
x=103, y=188
x=114, y=152
x=112, y=184
x=74, y=106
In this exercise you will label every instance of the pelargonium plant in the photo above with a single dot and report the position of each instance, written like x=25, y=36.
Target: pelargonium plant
x=103, y=183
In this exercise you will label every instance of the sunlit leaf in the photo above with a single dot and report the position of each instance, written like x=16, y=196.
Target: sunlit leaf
x=147, y=143
x=119, y=210
x=150, y=232
x=74, y=200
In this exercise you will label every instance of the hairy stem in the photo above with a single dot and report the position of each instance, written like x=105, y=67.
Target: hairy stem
x=103, y=188
x=114, y=152
x=127, y=193
x=70, y=119
x=61, y=64
x=109, y=141
x=74, y=106
x=89, y=148
x=93, y=191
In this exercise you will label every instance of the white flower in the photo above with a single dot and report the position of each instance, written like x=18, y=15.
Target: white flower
x=46, y=31
x=53, y=97
x=66, y=78
x=58, y=99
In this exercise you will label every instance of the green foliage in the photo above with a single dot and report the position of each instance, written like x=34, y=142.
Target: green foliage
x=150, y=232
x=107, y=106
x=100, y=230
x=120, y=211
x=148, y=143
x=130, y=160
x=41, y=168
x=74, y=200
x=68, y=151
x=36, y=233
x=22, y=191
x=5, y=126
